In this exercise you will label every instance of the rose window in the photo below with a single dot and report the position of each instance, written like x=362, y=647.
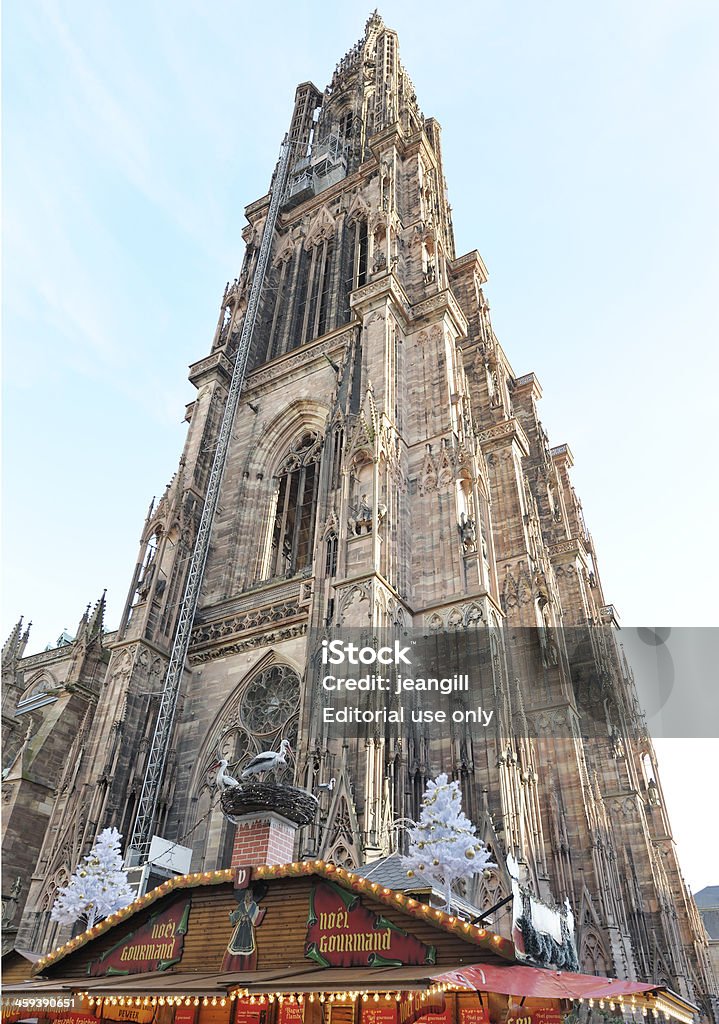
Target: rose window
x=270, y=699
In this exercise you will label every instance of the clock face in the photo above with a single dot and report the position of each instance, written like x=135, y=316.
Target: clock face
x=270, y=700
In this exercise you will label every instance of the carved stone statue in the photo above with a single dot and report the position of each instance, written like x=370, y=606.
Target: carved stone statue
x=143, y=587
x=468, y=533
x=360, y=518
x=10, y=903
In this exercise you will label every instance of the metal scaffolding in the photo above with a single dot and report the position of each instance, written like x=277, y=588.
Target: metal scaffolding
x=157, y=760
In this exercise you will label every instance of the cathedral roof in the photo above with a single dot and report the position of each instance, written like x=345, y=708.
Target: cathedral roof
x=707, y=901
x=708, y=897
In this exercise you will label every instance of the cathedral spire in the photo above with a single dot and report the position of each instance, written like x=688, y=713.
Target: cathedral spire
x=12, y=640
x=83, y=620
x=370, y=91
x=15, y=644
x=373, y=23
x=91, y=623
x=97, y=618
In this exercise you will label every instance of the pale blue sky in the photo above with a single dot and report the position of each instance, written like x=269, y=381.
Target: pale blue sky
x=581, y=153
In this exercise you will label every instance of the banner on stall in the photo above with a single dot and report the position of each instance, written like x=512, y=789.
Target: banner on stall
x=546, y=1015
x=383, y=1014
x=442, y=1017
x=412, y=1007
x=154, y=947
x=185, y=1014
x=474, y=1015
x=341, y=932
x=290, y=1013
x=131, y=1014
x=248, y=1013
x=537, y=1015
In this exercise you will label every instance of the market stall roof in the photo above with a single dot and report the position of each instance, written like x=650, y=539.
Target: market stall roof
x=494, y=947
x=300, y=978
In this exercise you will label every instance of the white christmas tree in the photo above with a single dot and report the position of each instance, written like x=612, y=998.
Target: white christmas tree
x=443, y=844
x=99, y=886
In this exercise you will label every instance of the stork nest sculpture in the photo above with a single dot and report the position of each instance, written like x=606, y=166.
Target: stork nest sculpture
x=249, y=797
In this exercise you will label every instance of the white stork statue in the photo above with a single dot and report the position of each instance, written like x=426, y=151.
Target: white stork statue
x=223, y=780
x=269, y=760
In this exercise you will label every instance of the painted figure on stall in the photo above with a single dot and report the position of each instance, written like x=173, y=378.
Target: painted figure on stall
x=241, y=952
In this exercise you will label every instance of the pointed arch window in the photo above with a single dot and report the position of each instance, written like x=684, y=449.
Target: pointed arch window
x=337, y=447
x=354, y=262
x=302, y=280
x=314, y=311
x=279, y=325
x=325, y=297
x=331, y=554
x=41, y=691
x=295, y=512
x=316, y=319
x=593, y=958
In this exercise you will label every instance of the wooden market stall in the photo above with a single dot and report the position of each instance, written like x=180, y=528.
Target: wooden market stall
x=303, y=943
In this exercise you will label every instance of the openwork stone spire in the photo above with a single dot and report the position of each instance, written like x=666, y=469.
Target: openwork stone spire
x=369, y=92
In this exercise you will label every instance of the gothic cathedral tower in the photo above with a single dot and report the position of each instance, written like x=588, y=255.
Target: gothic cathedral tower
x=387, y=470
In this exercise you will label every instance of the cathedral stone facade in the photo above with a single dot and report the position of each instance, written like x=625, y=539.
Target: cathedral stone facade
x=387, y=471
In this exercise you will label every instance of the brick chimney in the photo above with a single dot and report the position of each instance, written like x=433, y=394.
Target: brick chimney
x=263, y=838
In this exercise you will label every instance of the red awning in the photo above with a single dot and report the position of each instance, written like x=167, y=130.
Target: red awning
x=543, y=984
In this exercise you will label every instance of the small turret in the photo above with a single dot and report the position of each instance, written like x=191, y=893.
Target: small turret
x=14, y=646
x=96, y=621
x=90, y=626
x=83, y=621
